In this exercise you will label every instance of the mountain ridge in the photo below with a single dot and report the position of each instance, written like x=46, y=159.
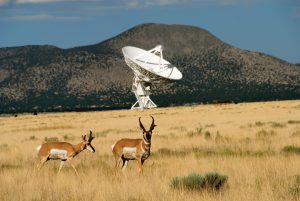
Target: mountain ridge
x=48, y=78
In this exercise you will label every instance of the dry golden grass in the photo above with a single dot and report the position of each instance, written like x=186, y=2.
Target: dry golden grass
x=243, y=141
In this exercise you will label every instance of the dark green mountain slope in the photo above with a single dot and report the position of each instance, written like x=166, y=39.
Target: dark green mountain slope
x=46, y=78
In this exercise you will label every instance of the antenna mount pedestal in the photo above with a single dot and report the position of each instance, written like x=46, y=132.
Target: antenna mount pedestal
x=141, y=89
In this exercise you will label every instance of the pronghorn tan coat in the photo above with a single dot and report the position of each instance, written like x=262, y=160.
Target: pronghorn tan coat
x=63, y=151
x=133, y=149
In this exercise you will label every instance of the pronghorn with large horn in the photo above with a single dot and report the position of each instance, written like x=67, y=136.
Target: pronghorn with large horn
x=134, y=149
x=63, y=151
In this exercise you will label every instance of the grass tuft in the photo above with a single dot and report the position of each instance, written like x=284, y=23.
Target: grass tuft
x=291, y=149
x=277, y=125
x=264, y=133
x=294, y=187
x=9, y=166
x=196, y=182
x=293, y=122
x=33, y=138
x=259, y=123
x=296, y=132
x=51, y=139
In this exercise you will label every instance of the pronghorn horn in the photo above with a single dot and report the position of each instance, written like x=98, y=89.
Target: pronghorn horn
x=152, y=124
x=141, y=125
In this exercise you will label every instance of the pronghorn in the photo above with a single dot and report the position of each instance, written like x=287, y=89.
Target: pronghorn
x=133, y=149
x=63, y=151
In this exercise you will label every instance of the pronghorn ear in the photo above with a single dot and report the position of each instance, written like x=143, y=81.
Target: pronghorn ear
x=84, y=137
x=91, y=137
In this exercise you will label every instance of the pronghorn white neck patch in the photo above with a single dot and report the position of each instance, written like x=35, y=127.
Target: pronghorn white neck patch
x=129, y=152
x=38, y=148
x=58, y=154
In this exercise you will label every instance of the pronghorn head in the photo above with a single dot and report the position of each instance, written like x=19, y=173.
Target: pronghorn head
x=147, y=134
x=88, y=142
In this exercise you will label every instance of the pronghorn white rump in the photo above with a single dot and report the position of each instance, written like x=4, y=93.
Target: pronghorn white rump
x=63, y=151
x=133, y=149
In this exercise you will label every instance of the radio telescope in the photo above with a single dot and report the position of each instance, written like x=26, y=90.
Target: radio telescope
x=148, y=67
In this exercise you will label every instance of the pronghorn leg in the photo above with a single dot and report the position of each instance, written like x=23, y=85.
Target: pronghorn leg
x=140, y=166
x=41, y=162
x=60, y=166
x=125, y=163
x=73, y=166
x=117, y=161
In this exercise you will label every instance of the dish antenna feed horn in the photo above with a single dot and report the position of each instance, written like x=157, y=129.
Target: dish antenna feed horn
x=149, y=67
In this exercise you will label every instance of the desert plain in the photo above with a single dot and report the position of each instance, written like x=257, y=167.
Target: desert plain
x=257, y=145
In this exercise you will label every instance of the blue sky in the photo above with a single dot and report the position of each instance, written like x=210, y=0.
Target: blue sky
x=269, y=26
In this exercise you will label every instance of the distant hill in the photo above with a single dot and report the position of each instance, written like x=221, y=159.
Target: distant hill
x=47, y=78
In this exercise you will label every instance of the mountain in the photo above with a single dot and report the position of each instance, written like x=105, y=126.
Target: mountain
x=47, y=78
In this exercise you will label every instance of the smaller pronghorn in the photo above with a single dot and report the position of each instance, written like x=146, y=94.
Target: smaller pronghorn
x=133, y=149
x=63, y=151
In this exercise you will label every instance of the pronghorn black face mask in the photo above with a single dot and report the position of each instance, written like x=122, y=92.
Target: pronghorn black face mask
x=147, y=134
x=88, y=142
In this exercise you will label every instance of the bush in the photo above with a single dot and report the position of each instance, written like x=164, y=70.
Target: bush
x=194, y=181
x=291, y=149
x=293, y=122
x=296, y=133
x=277, y=125
x=264, y=133
x=51, y=139
x=32, y=137
x=294, y=186
x=207, y=135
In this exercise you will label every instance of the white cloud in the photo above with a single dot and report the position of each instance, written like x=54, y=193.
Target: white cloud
x=296, y=13
x=149, y=3
x=162, y=2
x=3, y=2
x=152, y=3
x=42, y=17
x=40, y=1
x=132, y=3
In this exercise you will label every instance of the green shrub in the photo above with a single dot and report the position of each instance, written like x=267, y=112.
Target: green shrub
x=9, y=166
x=68, y=137
x=296, y=133
x=293, y=122
x=165, y=151
x=51, y=139
x=291, y=149
x=169, y=152
x=207, y=135
x=210, y=181
x=259, y=123
x=199, y=130
x=264, y=133
x=277, y=125
x=294, y=186
x=32, y=137
x=4, y=147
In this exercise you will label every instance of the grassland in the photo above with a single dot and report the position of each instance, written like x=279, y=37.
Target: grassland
x=257, y=145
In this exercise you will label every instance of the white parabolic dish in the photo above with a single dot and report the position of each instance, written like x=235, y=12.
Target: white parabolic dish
x=149, y=66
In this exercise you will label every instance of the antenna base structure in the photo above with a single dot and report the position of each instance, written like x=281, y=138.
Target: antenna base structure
x=148, y=67
x=141, y=89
